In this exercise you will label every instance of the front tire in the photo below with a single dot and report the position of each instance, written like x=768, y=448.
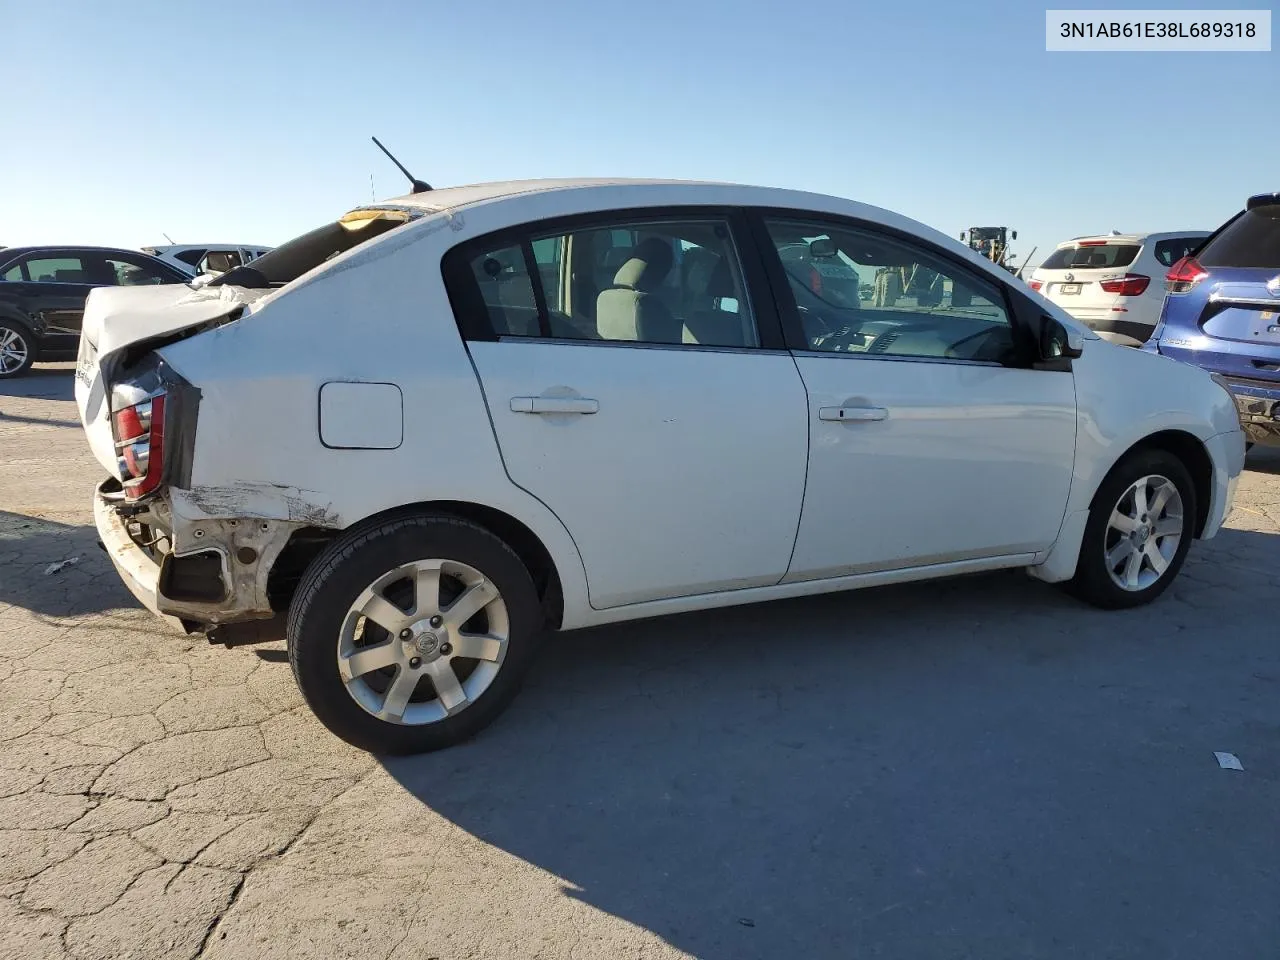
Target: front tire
x=1140, y=528
x=413, y=635
x=17, y=349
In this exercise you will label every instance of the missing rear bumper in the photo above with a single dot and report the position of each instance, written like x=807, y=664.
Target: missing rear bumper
x=206, y=572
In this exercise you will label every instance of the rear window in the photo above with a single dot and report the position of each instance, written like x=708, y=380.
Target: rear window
x=1250, y=240
x=1089, y=256
x=286, y=263
x=1170, y=251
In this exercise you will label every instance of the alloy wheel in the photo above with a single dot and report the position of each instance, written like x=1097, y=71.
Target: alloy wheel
x=13, y=350
x=423, y=642
x=1143, y=533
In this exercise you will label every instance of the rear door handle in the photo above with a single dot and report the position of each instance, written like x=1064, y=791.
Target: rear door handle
x=582, y=405
x=853, y=413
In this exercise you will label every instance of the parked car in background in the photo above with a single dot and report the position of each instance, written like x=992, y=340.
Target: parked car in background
x=1222, y=313
x=42, y=295
x=198, y=258
x=1113, y=283
x=516, y=441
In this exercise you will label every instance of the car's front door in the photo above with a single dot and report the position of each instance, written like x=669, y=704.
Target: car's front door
x=654, y=409
x=932, y=439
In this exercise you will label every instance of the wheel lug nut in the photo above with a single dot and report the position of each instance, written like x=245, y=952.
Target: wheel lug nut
x=446, y=648
x=406, y=633
x=436, y=621
x=415, y=662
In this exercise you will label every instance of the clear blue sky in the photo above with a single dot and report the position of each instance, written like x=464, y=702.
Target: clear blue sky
x=250, y=121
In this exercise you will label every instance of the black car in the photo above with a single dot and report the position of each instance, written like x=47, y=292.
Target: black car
x=42, y=295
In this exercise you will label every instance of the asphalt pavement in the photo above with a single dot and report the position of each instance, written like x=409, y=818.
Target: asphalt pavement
x=976, y=768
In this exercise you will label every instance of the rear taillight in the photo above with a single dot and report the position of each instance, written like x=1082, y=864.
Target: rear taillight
x=1035, y=284
x=1184, y=275
x=139, y=434
x=1130, y=285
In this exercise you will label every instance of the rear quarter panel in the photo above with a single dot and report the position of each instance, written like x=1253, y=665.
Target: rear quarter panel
x=381, y=317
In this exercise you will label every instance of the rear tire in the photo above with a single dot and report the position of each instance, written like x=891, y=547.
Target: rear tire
x=1140, y=528
x=17, y=348
x=409, y=688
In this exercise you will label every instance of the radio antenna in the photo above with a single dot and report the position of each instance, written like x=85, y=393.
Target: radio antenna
x=419, y=186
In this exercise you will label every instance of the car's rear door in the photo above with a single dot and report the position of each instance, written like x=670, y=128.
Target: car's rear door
x=931, y=437
x=54, y=287
x=638, y=386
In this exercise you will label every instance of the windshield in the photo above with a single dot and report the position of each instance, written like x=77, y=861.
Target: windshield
x=291, y=260
x=1091, y=255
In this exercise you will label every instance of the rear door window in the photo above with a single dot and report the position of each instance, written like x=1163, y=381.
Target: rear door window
x=57, y=270
x=130, y=273
x=1091, y=256
x=1250, y=240
x=675, y=282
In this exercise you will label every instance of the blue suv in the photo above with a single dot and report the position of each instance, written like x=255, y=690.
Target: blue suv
x=1222, y=312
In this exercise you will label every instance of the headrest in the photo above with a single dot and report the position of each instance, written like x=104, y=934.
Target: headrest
x=647, y=267
x=720, y=284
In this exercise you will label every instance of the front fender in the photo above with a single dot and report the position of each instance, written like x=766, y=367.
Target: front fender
x=1124, y=396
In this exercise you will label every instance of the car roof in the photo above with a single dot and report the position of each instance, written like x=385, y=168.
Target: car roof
x=606, y=193
x=11, y=252
x=169, y=247
x=450, y=198
x=1134, y=237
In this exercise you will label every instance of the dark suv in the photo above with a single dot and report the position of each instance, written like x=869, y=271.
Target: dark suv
x=1222, y=313
x=42, y=295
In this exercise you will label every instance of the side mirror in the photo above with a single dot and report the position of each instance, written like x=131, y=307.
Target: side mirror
x=824, y=248
x=1059, y=342
x=1014, y=235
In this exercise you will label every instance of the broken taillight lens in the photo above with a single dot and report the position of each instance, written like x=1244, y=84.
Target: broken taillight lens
x=139, y=434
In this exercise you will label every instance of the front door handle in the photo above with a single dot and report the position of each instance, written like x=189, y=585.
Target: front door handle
x=581, y=405
x=853, y=413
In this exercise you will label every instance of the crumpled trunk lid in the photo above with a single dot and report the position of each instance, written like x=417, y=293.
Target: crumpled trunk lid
x=116, y=318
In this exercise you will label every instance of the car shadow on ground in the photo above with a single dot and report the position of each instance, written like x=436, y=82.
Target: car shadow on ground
x=976, y=767
x=1263, y=460
x=34, y=573
x=53, y=382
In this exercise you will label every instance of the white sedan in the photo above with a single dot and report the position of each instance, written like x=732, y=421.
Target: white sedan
x=444, y=424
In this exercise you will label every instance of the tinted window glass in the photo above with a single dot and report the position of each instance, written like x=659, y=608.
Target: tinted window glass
x=547, y=254
x=865, y=294
x=57, y=270
x=13, y=273
x=1168, y=252
x=1088, y=256
x=129, y=274
x=665, y=282
x=1251, y=240
x=192, y=257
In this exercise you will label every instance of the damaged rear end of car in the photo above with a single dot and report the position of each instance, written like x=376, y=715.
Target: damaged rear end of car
x=207, y=557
